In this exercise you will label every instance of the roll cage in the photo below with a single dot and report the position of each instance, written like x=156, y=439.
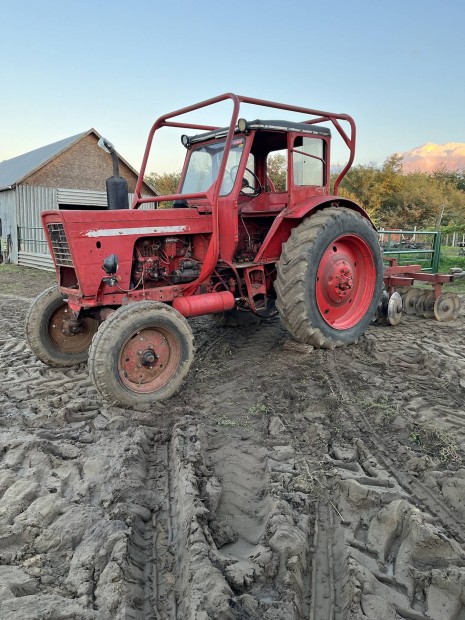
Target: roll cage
x=212, y=132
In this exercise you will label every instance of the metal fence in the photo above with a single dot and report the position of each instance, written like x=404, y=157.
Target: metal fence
x=33, y=248
x=32, y=239
x=419, y=247
x=455, y=239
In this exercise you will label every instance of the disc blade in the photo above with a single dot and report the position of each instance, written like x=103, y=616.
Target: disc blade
x=410, y=298
x=395, y=309
x=420, y=303
x=428, y=306
x=447, y=307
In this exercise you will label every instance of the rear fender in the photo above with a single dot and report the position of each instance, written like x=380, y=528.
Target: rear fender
x=290, y=217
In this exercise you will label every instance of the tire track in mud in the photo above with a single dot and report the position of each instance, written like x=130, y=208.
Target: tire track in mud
x=74, y=501
x=425, y=352
x=323, y=599
x=253, y=511
x=354, y=571
x=255, y=493
x=244, y=547
x=142, y=507
x=453, y=522
x=398, y=525
x=395, y=551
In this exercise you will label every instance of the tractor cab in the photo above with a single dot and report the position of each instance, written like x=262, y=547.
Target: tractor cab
x=301, y=151
x=248, y=199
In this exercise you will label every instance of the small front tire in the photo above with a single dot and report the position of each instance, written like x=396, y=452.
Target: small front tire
x=141, y=354
x=47, y=335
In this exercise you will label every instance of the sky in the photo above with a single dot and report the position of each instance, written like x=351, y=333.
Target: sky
x=396, y=67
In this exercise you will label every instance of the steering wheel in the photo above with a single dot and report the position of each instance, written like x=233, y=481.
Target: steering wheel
x=245, y=184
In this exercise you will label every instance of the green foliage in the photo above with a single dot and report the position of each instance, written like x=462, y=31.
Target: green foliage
x=398, y=200
x=164, y=184
x=277, y=171
x=452, y=228
x=455, y=178
x=446, y=262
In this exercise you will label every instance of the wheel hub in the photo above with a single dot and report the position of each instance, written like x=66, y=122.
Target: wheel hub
x=147, y=359
x=69, y=334
x=340, y=281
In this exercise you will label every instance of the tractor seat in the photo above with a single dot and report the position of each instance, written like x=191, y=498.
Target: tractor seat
x=266, y=203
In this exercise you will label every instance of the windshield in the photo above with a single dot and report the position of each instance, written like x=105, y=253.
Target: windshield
x=204, y=165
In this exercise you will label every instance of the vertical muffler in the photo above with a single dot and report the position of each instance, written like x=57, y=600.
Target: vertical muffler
x=117, y=187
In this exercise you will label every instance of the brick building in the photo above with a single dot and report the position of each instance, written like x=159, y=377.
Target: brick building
x=69, y=174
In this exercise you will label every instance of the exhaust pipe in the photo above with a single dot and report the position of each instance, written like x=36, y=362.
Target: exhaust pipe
x=117, y=187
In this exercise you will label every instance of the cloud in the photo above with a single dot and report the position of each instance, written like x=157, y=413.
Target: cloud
x=430, y=157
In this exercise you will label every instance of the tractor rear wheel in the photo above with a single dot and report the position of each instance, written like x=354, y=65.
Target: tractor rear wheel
x=47, y=333
x=329, y=278
x=141, y=354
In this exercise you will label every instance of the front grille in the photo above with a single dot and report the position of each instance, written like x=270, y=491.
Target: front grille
x=60, y=245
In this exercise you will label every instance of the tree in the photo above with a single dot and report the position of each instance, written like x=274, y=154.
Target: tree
x=398, y=200
x=164, y=184
x=455, y=178
x=276, y=167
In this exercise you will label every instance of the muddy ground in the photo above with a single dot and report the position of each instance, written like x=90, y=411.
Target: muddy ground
x=279, y=484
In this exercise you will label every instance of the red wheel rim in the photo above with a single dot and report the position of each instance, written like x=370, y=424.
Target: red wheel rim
x=149, y=359
x=345, y=282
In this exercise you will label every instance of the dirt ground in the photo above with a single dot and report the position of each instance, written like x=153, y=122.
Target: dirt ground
x=280, y=483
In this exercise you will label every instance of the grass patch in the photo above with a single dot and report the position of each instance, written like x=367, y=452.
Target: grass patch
x=436, y=442
x=383, y=410
x=450, y=258
x=24, y=281
x=227, y=422
x=259, y=408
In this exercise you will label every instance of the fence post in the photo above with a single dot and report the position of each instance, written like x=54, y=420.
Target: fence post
x=436, y=252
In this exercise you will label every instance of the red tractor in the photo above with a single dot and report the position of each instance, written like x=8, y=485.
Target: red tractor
x=230, y=244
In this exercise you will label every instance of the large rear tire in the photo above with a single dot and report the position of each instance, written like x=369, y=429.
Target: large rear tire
x=141, y=354
x=47, y=335
x=329, y=278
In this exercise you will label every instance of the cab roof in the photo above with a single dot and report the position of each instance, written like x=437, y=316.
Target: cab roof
x=263, y=125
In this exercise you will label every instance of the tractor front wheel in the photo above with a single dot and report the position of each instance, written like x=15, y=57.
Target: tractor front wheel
x=49, y=335
x=141, y=354
x=329, y=278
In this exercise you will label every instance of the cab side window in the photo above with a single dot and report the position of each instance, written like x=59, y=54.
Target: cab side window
x=308, y=161
x=276, y=170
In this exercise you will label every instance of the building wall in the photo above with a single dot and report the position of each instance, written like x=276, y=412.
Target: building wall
x=83, y=166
